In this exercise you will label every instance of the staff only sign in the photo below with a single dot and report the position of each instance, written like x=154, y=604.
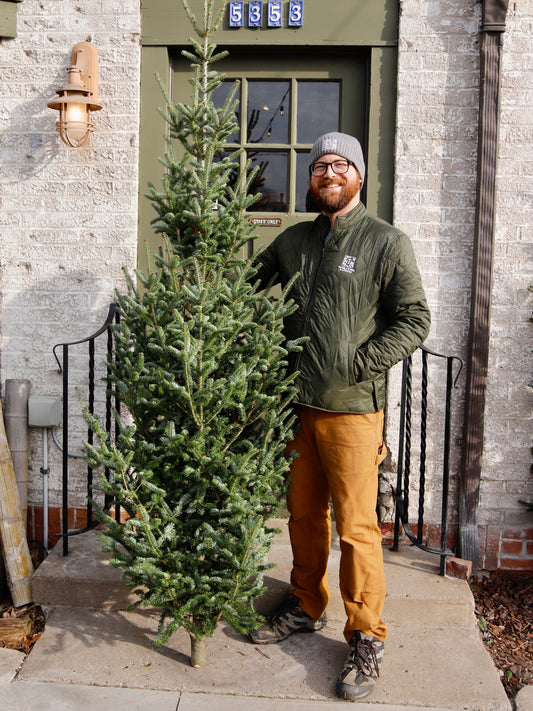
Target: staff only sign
x=273, y=13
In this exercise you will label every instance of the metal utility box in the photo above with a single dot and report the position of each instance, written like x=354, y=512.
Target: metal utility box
x=44, y=411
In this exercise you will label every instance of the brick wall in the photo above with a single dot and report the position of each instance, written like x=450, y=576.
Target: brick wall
x=507, y=474
x=68, y=222
x=68, y=217
x=434, y=203
x=436, y=151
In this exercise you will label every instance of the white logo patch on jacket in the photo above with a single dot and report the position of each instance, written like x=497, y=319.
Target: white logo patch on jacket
x=348, y=264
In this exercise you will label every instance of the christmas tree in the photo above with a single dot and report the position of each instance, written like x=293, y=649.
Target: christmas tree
x=198, y=464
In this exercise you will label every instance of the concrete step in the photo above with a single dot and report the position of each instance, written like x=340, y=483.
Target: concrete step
x=434, y=653
x=86, y=579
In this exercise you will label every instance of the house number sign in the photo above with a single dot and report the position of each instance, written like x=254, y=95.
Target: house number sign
x=272, y=11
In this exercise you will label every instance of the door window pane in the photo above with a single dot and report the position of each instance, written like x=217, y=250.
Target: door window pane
x=269, y=120
x=268, y=111
x=318, y=109
x=271, y=181
x=219, y=97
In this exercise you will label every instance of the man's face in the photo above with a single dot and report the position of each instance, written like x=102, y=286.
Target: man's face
x=333, y=192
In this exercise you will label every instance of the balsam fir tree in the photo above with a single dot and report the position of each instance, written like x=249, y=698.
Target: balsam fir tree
x=199, y=365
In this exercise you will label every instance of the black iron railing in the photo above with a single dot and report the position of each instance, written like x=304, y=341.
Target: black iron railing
x=406, y=453
x=110, y=402
x=412, y=400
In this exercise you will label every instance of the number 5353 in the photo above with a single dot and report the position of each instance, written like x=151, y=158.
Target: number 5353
x=274, y=13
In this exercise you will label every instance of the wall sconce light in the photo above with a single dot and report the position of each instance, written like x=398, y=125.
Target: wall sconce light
x=79, y=97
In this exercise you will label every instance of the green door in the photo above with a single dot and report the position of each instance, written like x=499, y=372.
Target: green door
x=284, y=104
x=337, y=71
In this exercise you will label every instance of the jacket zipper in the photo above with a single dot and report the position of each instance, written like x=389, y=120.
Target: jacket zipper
x=311, y=299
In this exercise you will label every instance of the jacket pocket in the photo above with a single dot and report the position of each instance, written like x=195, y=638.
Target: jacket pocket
x=339, y=371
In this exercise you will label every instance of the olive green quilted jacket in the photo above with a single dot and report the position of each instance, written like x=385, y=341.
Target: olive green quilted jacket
x=360, y=303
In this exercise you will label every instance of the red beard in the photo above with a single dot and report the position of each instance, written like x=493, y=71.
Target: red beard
x=332, y=203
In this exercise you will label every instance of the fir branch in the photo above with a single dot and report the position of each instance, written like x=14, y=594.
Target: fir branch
x=199, y=365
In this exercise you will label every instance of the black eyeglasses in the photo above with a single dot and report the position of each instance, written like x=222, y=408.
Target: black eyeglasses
x=339, y=167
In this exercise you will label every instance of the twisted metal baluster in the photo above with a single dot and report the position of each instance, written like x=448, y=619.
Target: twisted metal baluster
x=398, y=494
x=90, y=434
x=423, y=432
x=446, y=462
x=64, y=523
x=407, y=457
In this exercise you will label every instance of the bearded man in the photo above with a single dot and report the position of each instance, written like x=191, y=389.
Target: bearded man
x=362, y=308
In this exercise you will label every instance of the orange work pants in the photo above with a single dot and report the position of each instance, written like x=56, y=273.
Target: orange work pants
x=338, y=461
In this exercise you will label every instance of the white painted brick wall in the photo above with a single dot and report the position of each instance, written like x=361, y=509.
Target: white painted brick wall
x=436, y=147
x=436, y=152
x=68, y=217
x=507, y=451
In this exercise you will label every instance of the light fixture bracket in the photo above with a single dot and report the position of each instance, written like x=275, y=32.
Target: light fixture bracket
x=79, y=97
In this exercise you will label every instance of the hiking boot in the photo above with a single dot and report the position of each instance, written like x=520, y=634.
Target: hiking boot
x=288, y=619
x=361, y=669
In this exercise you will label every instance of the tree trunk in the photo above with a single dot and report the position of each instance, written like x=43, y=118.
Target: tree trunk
x=197, y=651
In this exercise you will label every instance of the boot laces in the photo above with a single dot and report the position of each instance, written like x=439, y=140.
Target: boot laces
x=290, y=606
x=364, y=657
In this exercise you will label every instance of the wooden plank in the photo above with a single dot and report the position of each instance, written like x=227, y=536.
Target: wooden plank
x=15, y=550
x=13, y=631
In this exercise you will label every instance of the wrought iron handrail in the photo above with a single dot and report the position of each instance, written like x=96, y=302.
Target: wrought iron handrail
x=401, y=493
x=112, y=317
x=405, y=451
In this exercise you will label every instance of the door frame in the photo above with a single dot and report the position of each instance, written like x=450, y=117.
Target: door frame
x=333, y=26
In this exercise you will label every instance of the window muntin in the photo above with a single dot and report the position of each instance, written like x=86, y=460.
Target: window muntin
x=284, y=116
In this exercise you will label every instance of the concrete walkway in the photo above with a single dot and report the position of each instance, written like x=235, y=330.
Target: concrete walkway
x=94, y=654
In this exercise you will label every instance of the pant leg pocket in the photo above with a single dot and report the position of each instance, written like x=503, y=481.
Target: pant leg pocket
x=382, y=453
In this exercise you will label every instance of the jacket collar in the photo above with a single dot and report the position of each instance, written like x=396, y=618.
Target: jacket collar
x=343, y=222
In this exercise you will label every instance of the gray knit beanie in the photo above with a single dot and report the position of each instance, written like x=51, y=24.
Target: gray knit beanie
x=342, y=145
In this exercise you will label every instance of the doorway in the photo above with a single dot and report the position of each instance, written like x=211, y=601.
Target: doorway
x=283, y=104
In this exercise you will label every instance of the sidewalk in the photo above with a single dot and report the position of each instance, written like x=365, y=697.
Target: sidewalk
x=93, y=655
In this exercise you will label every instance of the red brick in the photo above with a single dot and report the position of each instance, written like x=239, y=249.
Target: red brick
x=38, y=524
x=451, y=537
x=433, y=535
x=35, y=528
x=387, y=533
x=29, y=523
x=387, y=528
x=54, y=525
x=516, y=564
x=529, y=548
x=515, y=533
x=414, y=531
x=124, y=515
x=511, y=547
x=80, y=518
x=458, y=568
